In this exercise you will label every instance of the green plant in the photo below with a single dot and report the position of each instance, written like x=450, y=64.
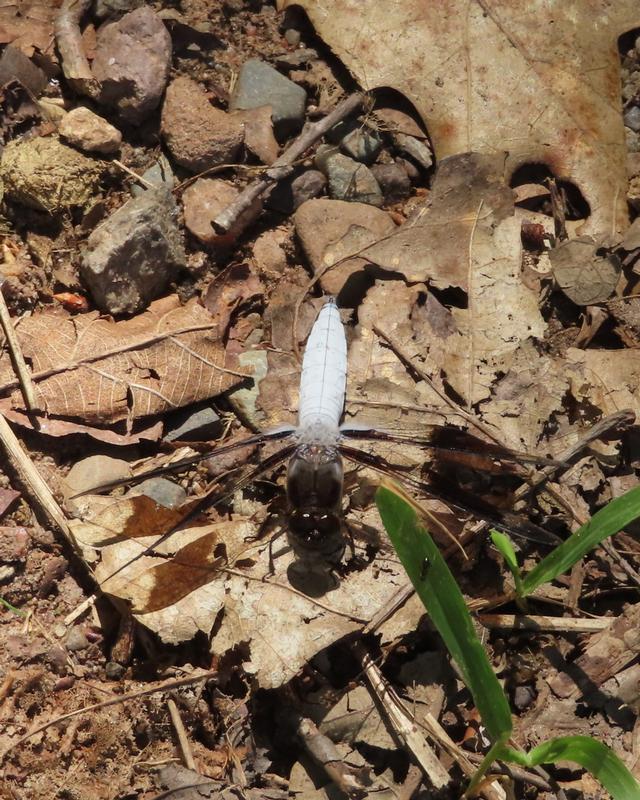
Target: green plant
x=438, y=590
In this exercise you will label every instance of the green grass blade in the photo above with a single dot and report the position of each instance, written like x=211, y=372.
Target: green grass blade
x=609, y=520
x=504, y=546
x=594, y=756
x=438, y=590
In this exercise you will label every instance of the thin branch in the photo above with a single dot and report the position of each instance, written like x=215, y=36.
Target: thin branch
x=69, y=41
x=20, y=365
x=282, y=166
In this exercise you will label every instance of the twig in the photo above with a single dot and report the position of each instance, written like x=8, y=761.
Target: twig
x=409, y=362
x=24, y=376
x=323, y=751
x=183, y=741
x=35, y=483
x=400, y=719
x=542, y=623
x=112, y=701
x=69, y=41
x=282, y=166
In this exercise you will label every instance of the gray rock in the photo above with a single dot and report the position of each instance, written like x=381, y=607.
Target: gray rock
x=632, y=118
x=110, y=9
x=296, y=59
x=413, y=173
x=356, y=140
x=89, y=132
x=165, y=492
x=292, y=37
x=348, y=179
x=198, y=426
x=362, y=144
x=130, y=258
x=291, y=194
x=113, y=671
x=393, y=181
x=260, y=84
x=94, y=471
x=523, y=697
x=160, y=175
x=198, y=135
x=76, y=640
x=417, y=149
x=133, y=57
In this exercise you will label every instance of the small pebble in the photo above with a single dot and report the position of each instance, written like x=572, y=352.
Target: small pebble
x=195, y=426
x=292, y=37
x=62, y=684
x=362, y=144
x=76, y=640
x=260, y=84
x=89, y=132
x=523, y=697
x=348, y=179
x=393, y=180
x=165, y=492
x=288, y=195
x=113, y=671
x=632, y=118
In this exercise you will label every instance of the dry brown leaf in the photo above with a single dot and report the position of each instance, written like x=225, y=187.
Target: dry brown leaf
x=101, y=371
x=584, y=274
x=539, y=83
x=29, y=26
x=220, y=567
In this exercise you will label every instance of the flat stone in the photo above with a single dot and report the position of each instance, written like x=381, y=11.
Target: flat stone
x=290, y=194
x=196, y=426
x=356, y=140
x=268, y=252
x=132, y=62
x=160, y=175
x=131, y=257
x=632, y=118
x=44, y=174
x=92, y=472
x=329, y=230
x=108, y=9
x=417, y=149
x=260, y=84
x=348, y=179
x=76, y=640
x=165, y=492
x=204, y=200
x=393, y=180
x=296, y=58
x=89, y=132
x=258, y=133
x=198, y=135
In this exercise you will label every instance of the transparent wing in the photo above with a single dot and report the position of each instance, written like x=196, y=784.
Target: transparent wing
x=454, y=497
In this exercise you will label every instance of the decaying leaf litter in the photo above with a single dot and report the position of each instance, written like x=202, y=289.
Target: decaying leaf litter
x=469, y=305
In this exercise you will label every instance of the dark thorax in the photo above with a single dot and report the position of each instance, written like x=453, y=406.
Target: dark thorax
x=314, y=488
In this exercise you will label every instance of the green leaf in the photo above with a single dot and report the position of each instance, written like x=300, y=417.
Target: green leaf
x=609, y=520
x=594, y=756
x=503, y=544
x=438, y=590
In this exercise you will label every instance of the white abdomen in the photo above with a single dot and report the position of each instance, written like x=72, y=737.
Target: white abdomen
x=324, y=375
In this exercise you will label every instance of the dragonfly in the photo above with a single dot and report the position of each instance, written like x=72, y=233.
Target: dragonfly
x=315, y=451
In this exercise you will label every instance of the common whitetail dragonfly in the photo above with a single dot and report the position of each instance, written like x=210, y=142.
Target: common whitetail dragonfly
x=316, y=447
